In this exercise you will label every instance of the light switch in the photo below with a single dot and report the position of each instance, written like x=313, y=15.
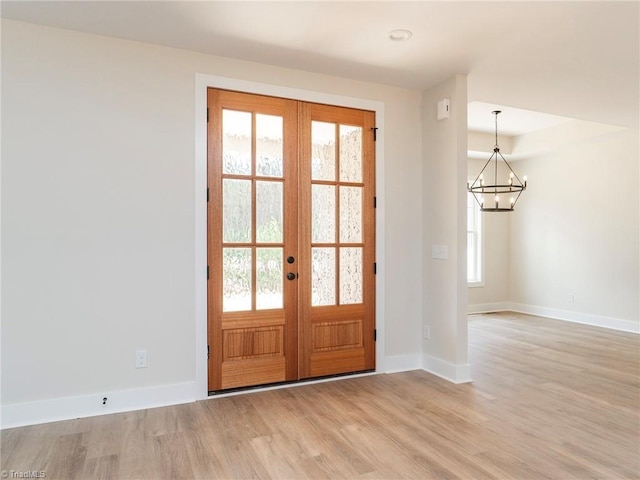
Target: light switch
x=439, y=251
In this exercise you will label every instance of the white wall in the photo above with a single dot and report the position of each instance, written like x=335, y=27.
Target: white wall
x=444, y=199
x=98, y=215
x=576, y=231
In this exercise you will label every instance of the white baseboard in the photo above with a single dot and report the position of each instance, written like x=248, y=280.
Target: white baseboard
x=577, y=317
x=448, y=371
x=67, y=408
x=488, y=307
x=53, y=410
x=402, y=363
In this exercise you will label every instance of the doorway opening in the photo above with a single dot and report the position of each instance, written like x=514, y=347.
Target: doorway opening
x=290, y=240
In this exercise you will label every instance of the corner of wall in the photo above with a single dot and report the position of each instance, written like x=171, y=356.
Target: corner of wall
x=455, y=373
x=444, y=233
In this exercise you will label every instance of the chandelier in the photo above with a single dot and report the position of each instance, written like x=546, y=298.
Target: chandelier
x=502, y=188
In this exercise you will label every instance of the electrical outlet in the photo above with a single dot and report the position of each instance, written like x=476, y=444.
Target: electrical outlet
x=141, y=359
x=571, y=298
x=426, y=332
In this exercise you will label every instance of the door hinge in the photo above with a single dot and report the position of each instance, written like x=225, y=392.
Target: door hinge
x=207, y=114
x=375, y=268
x=375, y=202
x=208, y=356
x=207, y=194
x=375, y=334
x=375, y=133
x=207, y=272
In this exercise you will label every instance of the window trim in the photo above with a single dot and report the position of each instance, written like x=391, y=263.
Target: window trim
x=480, y=251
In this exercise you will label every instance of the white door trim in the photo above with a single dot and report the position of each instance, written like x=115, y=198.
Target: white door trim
x=202, y=82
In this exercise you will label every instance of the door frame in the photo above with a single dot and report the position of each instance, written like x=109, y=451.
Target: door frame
x=202, y=82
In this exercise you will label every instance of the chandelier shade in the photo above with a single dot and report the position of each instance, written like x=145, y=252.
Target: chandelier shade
x=497, y=188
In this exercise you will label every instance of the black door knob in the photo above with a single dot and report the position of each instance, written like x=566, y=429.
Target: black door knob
x=291, y=276
x=290, y=259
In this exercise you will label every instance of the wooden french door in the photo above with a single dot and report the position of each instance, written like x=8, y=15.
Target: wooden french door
x=337, y=240
x=291, y=232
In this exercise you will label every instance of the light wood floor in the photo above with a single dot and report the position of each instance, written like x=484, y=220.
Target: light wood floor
x=550, y=400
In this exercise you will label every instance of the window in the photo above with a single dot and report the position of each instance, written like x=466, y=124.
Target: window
x=474, y=242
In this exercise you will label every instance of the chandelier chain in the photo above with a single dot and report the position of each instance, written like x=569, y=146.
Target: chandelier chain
x=495, y=113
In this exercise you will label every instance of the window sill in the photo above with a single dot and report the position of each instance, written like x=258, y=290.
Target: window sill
x=475, y=284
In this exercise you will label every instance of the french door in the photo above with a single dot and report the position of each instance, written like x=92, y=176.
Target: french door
x=291, y=232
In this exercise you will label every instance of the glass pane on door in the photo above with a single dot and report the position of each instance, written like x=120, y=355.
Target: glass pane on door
x=269, y=210
x=323, y=151
x=269, y=278
x=323, y=276
x=323, y=213
x=350, y=275
x=350, y=154
x=350, y=214
x=236, y=142
x=236, y=210
x=269, y=145
x=236, y=279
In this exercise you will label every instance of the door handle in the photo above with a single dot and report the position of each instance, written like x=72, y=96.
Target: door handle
x=290, y=259
x=291, y=276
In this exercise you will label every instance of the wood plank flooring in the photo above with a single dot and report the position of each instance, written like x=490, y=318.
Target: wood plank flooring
x=550, y=400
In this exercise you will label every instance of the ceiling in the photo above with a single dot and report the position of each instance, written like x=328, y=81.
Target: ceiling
x=511, y=122
x=578, y=59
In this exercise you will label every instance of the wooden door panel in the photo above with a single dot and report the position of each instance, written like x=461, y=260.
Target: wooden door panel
x=334, y=363
x=331, y=336
x=252, y=372
x=337, y=346
x=253, y=356
x=252, y=343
